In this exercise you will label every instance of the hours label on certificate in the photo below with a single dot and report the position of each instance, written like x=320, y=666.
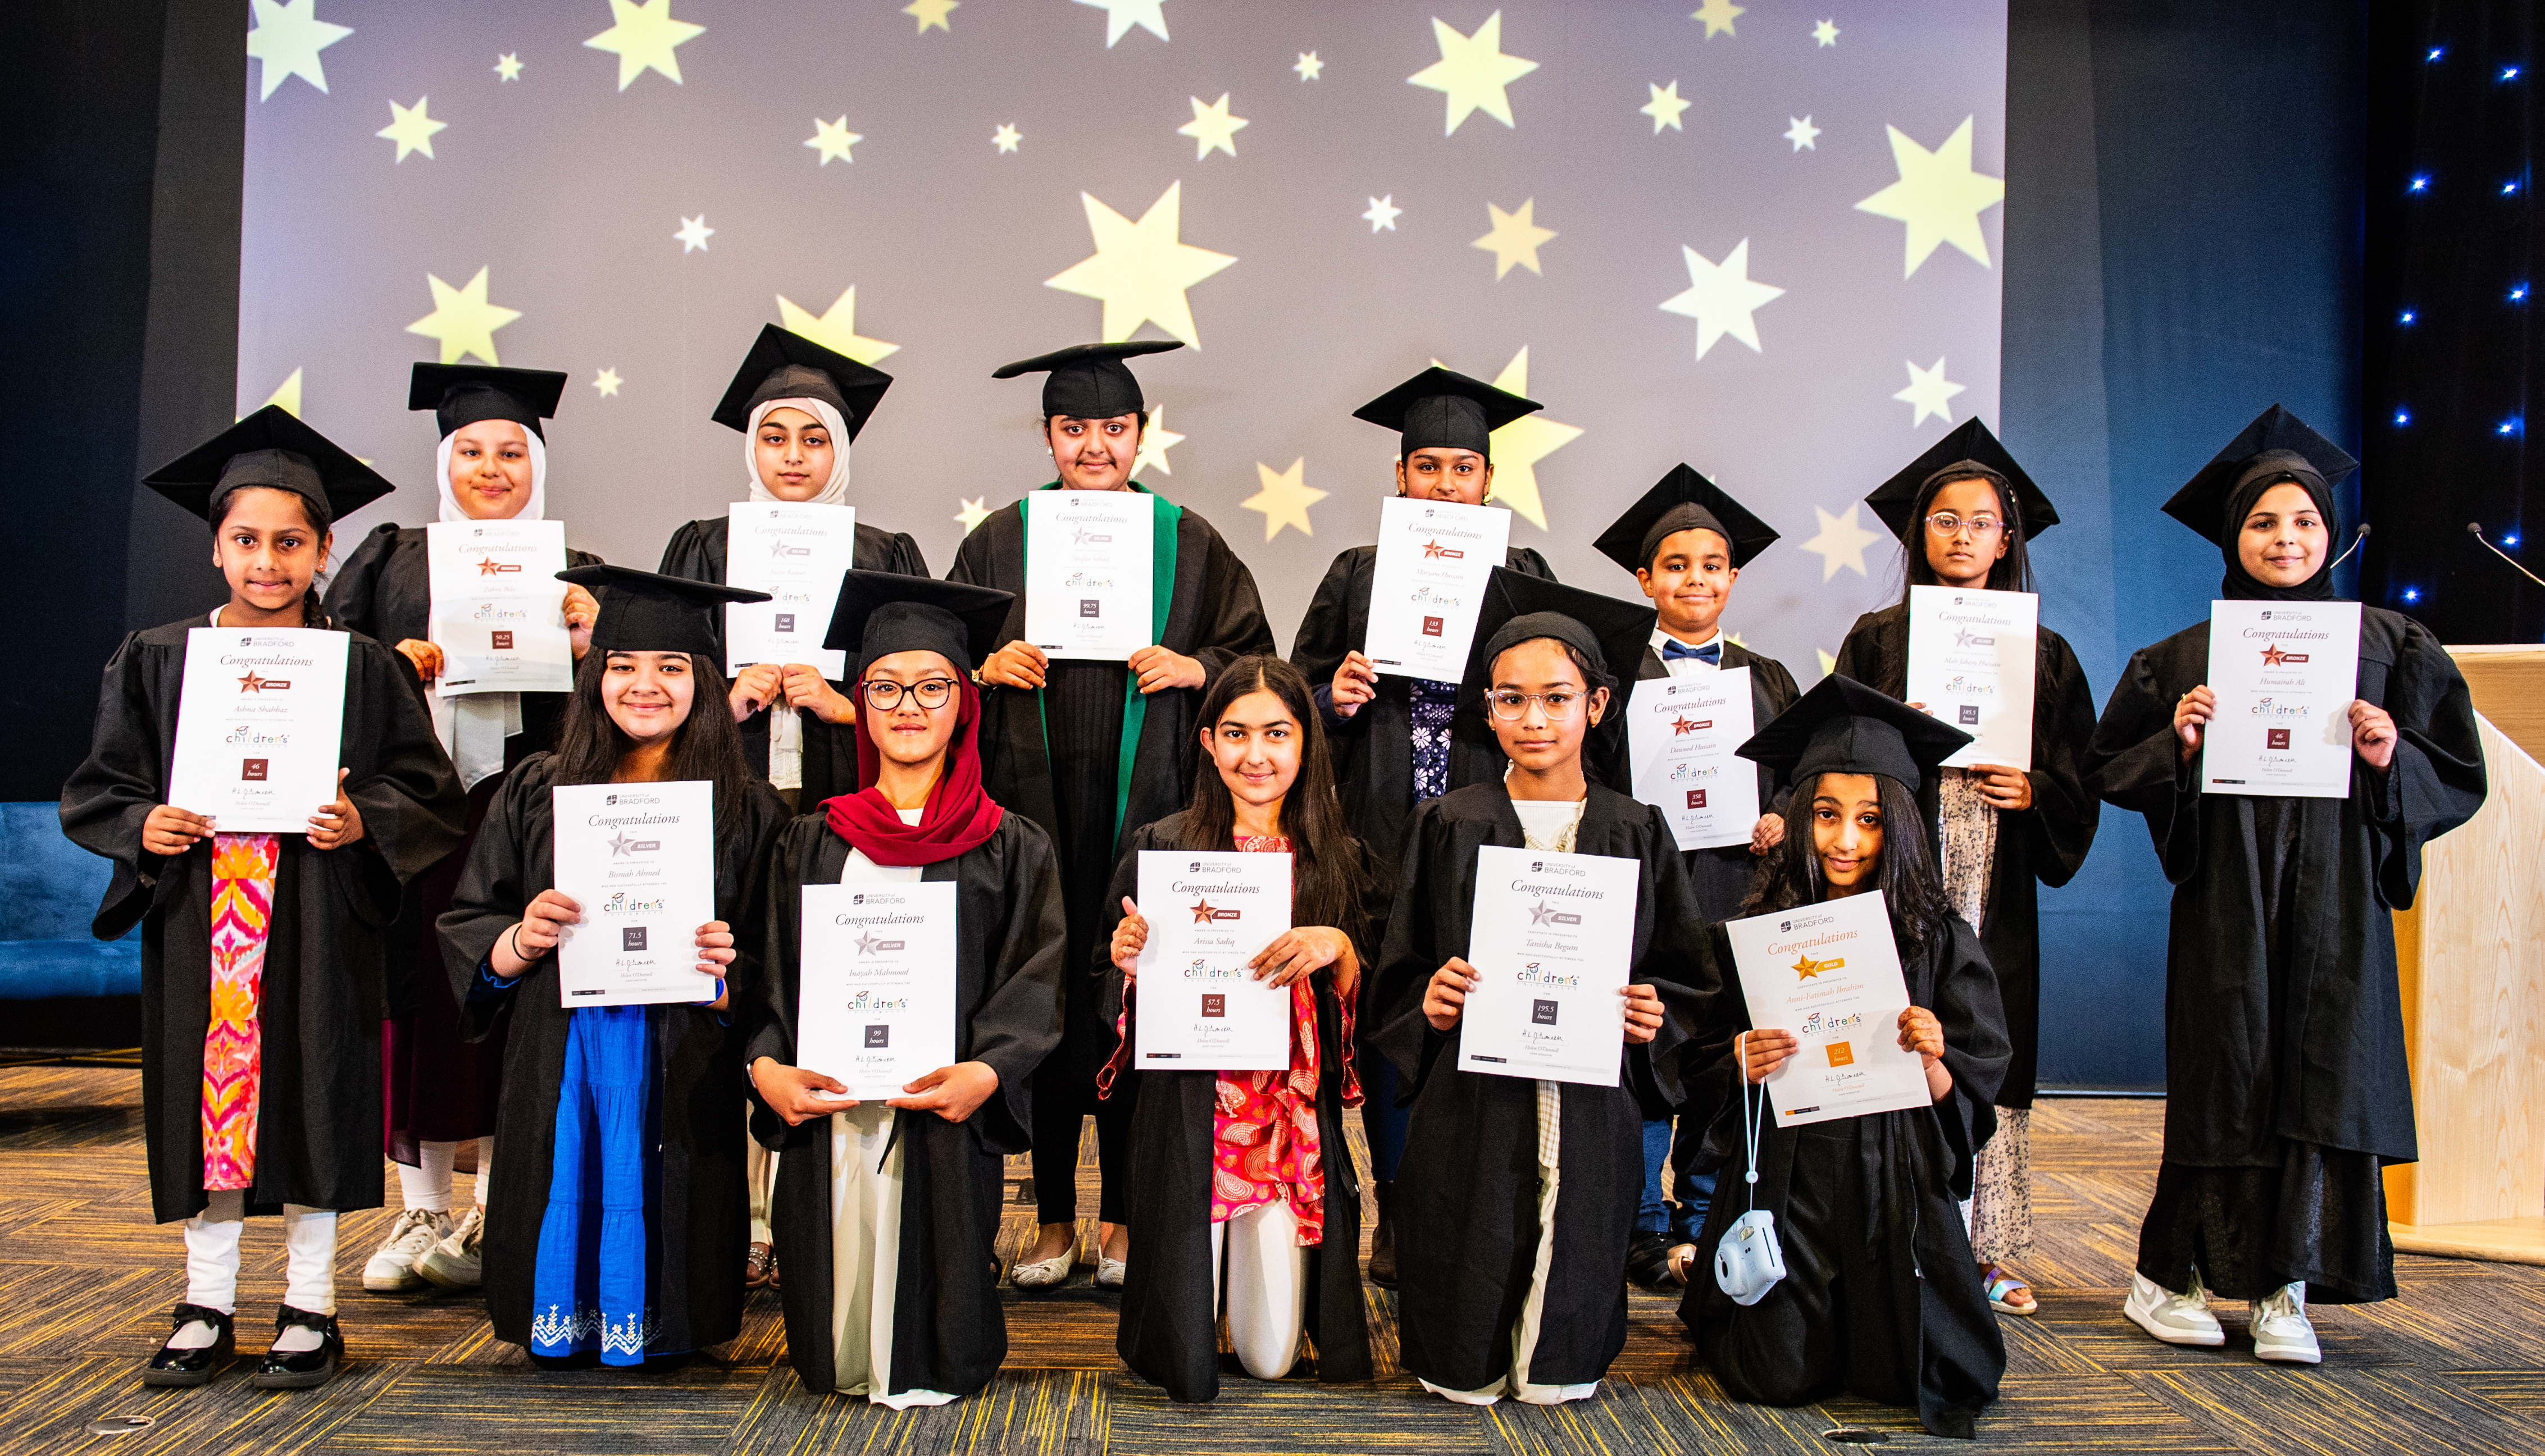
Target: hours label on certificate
x=639, y=860
x=260, y=723
x=1681, y=733
x=876, y=1007
x=1830, y=974
x=1428, y=583
x=1971, y=663
x=2285, y=674
x=1552, y=941
x=797, y=552
x=498, y=610
x=1200, y=1007
x=1087, y=572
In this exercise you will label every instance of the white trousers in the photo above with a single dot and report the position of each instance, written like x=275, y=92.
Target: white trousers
x=1532, y=1313
x=213, y=1254
x=759, y=1179
x=427, y=1185
x=1257, y=1266
x=866, y=1257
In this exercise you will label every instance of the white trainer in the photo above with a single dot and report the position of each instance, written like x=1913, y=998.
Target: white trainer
x=2176, y=1318
x=392, y=1267
x=456, y=1263
x=2281, y=1331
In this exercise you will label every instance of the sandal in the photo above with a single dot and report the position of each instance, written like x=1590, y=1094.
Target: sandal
x=2007, y=1294
x=1683, y=1257
x=758, y=1265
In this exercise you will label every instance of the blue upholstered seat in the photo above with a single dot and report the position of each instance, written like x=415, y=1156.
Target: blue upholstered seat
x=49, y=889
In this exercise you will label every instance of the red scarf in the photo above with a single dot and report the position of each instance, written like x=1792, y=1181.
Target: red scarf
x=958, y=816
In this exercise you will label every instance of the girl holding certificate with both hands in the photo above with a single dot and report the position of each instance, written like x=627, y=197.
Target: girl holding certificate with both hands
x=263, y=961
x=1516, y=1194
x=1880, y=1296
x=885, y=1211
x=1235, y=1167
x=615, y=1224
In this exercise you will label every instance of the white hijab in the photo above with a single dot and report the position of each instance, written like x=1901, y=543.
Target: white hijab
x=835, y=491
x=472, y=726
x=537, y=507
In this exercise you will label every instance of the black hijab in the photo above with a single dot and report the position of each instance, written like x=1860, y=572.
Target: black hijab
x=2261, y=473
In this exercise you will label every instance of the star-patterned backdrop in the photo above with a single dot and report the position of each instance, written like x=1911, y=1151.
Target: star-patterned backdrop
x=1759, y=238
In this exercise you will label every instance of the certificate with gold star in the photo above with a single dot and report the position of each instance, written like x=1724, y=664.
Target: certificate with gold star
x=2285, y=674
x=1198, y=1006
x=1552, y=939
x=498, y=610
x=1680, y=734
x=260, y=717
x=1830, y=974
x=875, y=1008
x=639, y=860
x=1427, y=582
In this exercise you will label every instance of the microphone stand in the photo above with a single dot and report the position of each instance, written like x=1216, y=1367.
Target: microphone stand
x=2476, y=529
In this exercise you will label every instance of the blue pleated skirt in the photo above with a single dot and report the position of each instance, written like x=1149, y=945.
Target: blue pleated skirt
x=589, y=1288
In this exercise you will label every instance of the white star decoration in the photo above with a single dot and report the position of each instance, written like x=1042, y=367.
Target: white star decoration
x=833, y=140
x=694, y=233
x=411, y=130
x=1826, y=33
x=1212, y=129
x=1665, y=107
x=1285, y=498
x=508, y=67
x=1006, y=139
x=1122, y=14
x=1472, y=73
x=1383, y=214
x=1842, y=542
x=1140, y=269
x=1155, y=440
x=1937, y=195
x=1514, y=239
x=1721, y=297
x=463, y=321
x=286, y=42
x=1719, y=16
x=644, y=35
x=1927, y=392
x=836, y=329
x=1802, y=133
x=607, y=382
x=1309, y=67
x=973, y=514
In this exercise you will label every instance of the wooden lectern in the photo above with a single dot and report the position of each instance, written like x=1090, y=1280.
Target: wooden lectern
x=2471, y=957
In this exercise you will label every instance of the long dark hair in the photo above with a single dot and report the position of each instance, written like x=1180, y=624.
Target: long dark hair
x=706, y=744
x=313, y=613
x=2012, y=572
x=1912, y=889
x=1327, y=877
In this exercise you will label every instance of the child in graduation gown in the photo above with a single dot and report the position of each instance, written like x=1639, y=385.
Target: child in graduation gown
x=1090, y=751
x=492, y=465
x=616, y=1226
x=263, y=969
x=1965, y=513
x=886, y=1212
x=1686, y=542
x=1392, y=742
x=1516, y=1197
x=2287, y=1089
x=1236, y=1167
x=1880, y=1298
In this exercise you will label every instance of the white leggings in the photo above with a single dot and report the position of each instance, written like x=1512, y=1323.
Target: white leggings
x=1265, y=1283
x=428, y=1184
x=213, y=1254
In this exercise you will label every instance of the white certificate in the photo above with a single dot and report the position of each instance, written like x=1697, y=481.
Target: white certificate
x=1434, y=561
x=638, y=860
x=498, y=610
x=1088, y=563
x=1830, y=974
x=795, y=551
x=1552, y=939
x=1200, y=1007
x=876, y=1007
x=260, y=722
x=2285, y=674
x=1681, y=733
x=1971, y=663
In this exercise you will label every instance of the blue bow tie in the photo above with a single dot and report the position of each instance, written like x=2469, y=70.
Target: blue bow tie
x=1711, y=654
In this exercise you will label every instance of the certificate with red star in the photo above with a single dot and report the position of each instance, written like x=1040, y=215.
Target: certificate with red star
x=259, y=721
x=1199, y=1007
x=1679, y=735
x=2285, y=674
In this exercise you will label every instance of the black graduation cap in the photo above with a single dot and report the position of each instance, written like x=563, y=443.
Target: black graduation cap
x=1444, y=407
x=647, y=611
x=1843, y=726
x=789, y=366
x=463, y=395
x=271, y=448
x=2202, y=504
x=1517, y=607
x=1682, y=501
x=882, y=612
x=1967, y=443
x=1088, y=382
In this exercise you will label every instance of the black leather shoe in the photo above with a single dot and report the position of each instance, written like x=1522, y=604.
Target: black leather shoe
x=301, y=1369
x=196, y=1366
x=1647, y=1264
x=1382, y=1240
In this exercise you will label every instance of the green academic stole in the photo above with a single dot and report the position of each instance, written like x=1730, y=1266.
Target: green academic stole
x=1162, y=598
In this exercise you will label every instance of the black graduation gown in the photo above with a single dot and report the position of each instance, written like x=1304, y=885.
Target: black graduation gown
x=1169, y=1328
x=318, y=1125
x=2044, y=845
x=949, y=1333
x=2284, y=1030
x=697, y=552
x=1720, y=876
x=1881, y=1296
x=1468, y=1192
x=699, y=1217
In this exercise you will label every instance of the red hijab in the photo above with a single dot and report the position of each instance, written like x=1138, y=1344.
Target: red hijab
x=958, y=816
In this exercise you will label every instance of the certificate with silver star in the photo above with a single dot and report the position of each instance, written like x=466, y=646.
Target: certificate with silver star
x=639, y=860
x=876, y=1007
x=1552, y=939
x=260, y=718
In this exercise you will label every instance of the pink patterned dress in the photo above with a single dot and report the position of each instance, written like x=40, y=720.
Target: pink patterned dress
x=243, y=871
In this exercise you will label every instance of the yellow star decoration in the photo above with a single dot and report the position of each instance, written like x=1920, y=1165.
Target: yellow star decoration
x=1141, y=269
x=932, y=13
x=1828, y=663
x=973, y=514
x=1938, y=195
x=833, y=140
x=1514, y=238
x=1155, y=441
x=1472, y=71
x=1665, y=107
x=1122, y=14
x=1006, y=139
x=507, y=66
x=1519, y=446
x=1840, y=542
x=463, y=321
x=411, y=128
x=1285, y=499
x=644, y=35
x=836, y=328
x=287, y=38
x=287, y=395
x=1719, y=16
x=607, y=382
x=1213, y=128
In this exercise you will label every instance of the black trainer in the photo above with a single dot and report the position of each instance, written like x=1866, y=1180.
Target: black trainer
x=197, y=1366
x=1647, y=1264
x=301, y=1369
